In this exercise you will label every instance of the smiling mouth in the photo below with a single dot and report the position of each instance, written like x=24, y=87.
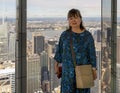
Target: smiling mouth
x=74, y=23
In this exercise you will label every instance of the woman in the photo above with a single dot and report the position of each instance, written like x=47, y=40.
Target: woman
x=83, y=44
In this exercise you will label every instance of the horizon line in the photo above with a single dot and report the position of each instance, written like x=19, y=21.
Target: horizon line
x=54, y=17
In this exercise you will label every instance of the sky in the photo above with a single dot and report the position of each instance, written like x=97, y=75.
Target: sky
x=7, y=8
x=54, y=8
x=61, y=7
x=118, y=8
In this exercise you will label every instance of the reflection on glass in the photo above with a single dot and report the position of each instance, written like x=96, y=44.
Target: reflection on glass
x=118, y=58
x=106, y=46
x=42, y=39
x=118, y=47
x=45, y=22
x=7, y=46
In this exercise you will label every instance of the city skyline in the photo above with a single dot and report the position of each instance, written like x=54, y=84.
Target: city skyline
x=42, y=39
x=34, y=69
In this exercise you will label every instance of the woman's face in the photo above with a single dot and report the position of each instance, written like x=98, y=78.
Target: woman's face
x=74, y=21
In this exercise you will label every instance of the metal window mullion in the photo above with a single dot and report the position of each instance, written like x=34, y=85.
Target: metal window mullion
x=113, y=45
x=21, y=64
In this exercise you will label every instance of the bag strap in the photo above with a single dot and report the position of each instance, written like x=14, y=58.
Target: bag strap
x=73, y=53
x=72, y=50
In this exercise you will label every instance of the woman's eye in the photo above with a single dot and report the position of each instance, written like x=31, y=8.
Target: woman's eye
x=70, y=18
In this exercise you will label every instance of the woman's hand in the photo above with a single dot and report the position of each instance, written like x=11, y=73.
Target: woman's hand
x=94, y=74
x=56, y=68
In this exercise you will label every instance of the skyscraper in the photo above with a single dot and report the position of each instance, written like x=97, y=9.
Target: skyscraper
x=44, y=72
x=33, y=73
x=97, y=87
x=97, y=35
x=3, y=42
x=3, y=30
x=118, y=49
x=54, y=81
x=11, y=45
x=38, y=43
x=51, y=46
x=118, y=79
x=118, y=61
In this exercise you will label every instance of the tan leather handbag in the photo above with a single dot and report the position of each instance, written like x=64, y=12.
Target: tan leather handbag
x=84, y=76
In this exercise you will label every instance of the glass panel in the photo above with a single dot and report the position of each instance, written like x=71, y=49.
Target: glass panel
x=7, y=45
x=46, y=20
x=106, y=46
x=118, y=47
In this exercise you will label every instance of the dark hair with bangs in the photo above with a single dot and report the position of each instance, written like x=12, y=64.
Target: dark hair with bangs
x=73, y=13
